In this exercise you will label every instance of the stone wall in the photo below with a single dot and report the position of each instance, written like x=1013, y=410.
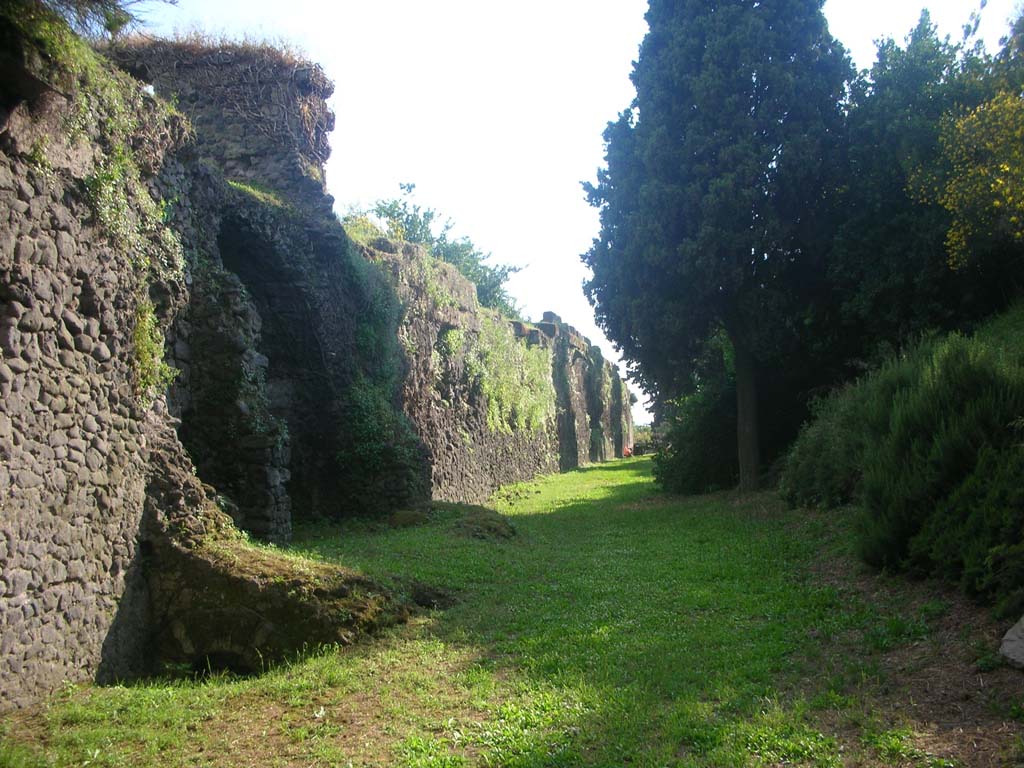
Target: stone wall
x=595, y=421
x=74, y=422
x=113, y=556
x=260, y=114
x=295, y=360
x=294, y=341
x=291, y=400
x=310, y=380
x=446, y=333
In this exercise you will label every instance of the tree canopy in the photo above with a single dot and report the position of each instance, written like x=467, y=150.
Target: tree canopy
x=888, y=270
x=97, y=17
x=716, y=191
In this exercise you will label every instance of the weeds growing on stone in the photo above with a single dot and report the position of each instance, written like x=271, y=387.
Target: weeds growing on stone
x=152, y=373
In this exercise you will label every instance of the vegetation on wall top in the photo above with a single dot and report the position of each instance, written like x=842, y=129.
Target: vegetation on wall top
x=405, y=220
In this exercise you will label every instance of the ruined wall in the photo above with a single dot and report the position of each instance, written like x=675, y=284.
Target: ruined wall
x=75, y=416
x=332, y=399
x=478, y=433
x=581, y=406
x=113, y=556
x=324, y=398
x=595, y=422
x=260, y=114
x=290, y=405
x=310, y=380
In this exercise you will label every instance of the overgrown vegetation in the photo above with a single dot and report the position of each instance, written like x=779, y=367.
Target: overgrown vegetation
x=381, y=438
x=451, y=342
x=108, y=106
x=130, y=216
x=513, y=376
x=407, y=221
x=361, y=228
x=760, y=186
x=107, y=109
x=618, y=627
x=152, y=374
x=931, y=446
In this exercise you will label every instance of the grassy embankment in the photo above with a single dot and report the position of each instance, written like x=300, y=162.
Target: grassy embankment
x=619, y=627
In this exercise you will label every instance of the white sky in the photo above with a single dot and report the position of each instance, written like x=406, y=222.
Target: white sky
x=495, y=110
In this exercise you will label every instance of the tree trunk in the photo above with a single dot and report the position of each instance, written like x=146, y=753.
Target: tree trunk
x=746, y=418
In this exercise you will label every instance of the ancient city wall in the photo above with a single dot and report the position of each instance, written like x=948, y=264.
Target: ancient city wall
x=191, y=343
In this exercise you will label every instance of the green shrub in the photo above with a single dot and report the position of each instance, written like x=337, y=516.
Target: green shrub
x=360, y=228
x=930, y=445
x=976, y=535
x=824, y=467
x=699, y=453
x=964, y=400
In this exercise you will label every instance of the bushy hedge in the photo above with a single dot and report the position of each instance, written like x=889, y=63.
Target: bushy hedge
x=930, y=446
x=699, y=452
x=825, y=466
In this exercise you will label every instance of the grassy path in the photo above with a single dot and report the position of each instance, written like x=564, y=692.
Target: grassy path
x=618, y=627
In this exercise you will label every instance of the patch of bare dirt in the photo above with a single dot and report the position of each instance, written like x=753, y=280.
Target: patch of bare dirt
x=948, y=688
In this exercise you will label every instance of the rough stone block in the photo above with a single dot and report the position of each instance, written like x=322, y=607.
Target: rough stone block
x=1012, y=647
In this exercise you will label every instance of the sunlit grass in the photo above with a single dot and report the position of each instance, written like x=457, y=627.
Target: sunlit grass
x=619, y=627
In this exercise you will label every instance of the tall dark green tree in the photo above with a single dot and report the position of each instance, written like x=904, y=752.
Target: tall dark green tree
x=717, y=192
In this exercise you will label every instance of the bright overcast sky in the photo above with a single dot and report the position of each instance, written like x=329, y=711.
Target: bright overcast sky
x=495, y=110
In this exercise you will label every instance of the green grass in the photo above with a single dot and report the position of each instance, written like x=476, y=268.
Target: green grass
x=619, y=627
x=260, y=193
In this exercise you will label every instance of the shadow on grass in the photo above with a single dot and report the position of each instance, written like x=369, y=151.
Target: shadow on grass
x=657, y=634
x=619, y=627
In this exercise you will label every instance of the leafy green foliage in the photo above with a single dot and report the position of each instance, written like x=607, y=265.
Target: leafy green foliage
x=930, y=445
x=825, y=465
x=361, y=228
x=451, y=342
x=152, y=374
x=698, y=453
x=514, y=377
x=412, y=223
x=976, y=534
x=962, y=401
x=710, y=177
x=108, y=192
x=985, y=192
x=888, y=267
x=977, y=174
